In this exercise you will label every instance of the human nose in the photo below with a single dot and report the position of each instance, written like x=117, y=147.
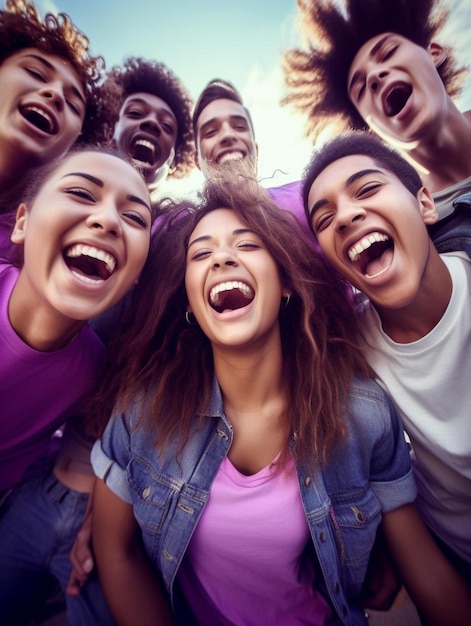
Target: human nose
x=53, y=92
x=227, y=134
x=105, y=219
x=151, y=124
x=347, y=215
x=223, y=257
x=376, y=75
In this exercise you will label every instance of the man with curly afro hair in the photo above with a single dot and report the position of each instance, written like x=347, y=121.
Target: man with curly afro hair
x=377, y=64
x=153, y=124
x=51, y=96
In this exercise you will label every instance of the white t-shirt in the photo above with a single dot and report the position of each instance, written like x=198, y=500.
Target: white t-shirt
x=430, y=382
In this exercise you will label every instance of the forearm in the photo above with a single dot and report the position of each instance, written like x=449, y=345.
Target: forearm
x=433, y=584
x=131, y=588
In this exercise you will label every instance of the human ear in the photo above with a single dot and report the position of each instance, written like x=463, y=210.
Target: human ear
x=427, y=206
x=437, y=52
x=19, y=231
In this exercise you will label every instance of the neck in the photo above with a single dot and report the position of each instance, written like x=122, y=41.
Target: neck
x=41, y=327
x=421, y=315
x=443, y=155
x=249, y=378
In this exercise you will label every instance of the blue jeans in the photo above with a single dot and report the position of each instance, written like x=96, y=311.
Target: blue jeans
x=38, y=525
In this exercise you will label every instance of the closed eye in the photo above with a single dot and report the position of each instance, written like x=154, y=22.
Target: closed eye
x=35, y=74
x=137, y=218
x=323, y=221
x=368, y=190
x=200, y=254
x=248, y=245
x=389, y=53
x=79, y=192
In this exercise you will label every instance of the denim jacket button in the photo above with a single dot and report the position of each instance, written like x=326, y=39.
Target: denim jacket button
x=307, y=481
x=322, y=536
x=336, y=587
x=146, y=493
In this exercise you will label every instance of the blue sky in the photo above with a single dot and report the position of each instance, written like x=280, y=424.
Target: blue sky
x=240, y=41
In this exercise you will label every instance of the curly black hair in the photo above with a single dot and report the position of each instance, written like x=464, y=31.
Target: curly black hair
x=316, y=77
x=140, y=75
x=21, y=27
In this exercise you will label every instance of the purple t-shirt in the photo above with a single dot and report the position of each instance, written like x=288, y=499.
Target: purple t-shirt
x=245, y=563
x=38, y=390
x=288, y=197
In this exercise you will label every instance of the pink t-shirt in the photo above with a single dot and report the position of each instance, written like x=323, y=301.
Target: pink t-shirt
x=38, y=390
x=243, y=565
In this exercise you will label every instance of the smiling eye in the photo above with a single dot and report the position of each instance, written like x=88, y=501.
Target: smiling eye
x=36, y=74
x=200, y=254
x=169, y=129
x=136, y=218
x=79, y=192
x=323, y=221
x=368, y=190
x=134, y=113
x=248, y=245
x=388, y=53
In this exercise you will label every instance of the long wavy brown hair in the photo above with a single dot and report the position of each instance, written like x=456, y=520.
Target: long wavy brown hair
x=158, y=356
x=333, y=32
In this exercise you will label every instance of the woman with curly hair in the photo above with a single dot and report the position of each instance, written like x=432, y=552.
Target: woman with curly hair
x=250, y=457
x=376, y=64
x=154, y=120
x=50, y=93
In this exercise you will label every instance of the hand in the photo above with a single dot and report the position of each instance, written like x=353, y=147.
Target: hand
x=81, y=556
x=382, y=582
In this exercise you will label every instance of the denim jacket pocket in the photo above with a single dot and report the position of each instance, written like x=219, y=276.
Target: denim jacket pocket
x=355, y=518
x=152, y=496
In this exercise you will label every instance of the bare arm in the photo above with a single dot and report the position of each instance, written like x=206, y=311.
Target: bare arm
x=131, y=588
x=433, y=584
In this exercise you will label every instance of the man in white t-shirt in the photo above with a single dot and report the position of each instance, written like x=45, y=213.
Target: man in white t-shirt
x=368, y=210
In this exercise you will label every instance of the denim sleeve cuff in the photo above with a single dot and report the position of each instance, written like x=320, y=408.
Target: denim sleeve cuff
x=108, y=470
x=396, y=493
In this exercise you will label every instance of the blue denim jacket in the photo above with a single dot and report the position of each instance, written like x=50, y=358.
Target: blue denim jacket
x=368, y=474
x=454, y=231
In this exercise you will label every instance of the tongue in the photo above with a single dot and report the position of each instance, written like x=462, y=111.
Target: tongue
x=380, y=263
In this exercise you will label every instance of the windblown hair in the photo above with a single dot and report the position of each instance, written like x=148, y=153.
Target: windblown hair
x=158, y=356
x=352, y=144
x=316, y=77
x=140, y=75
x=21, y=27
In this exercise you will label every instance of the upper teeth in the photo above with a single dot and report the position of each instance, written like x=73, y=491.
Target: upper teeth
x=145, y=143
x=231, y=156
x=43, y=114
x=233, y=284
x=364, y=244
x=80, y=249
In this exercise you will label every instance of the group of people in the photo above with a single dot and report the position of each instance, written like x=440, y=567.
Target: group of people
x=252, y=407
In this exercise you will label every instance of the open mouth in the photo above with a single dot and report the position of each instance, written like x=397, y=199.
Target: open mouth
x=145, y=151
x=230, y=296
x=373, y=254
x=89, y=264
x=395, y=99
x=236, y=155
x=39, y=118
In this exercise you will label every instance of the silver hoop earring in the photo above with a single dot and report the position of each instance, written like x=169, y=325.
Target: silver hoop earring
x=288, y=298
x=190, y=321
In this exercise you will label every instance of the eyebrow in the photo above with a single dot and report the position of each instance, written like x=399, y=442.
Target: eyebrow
x=137, y=100
x=101, y=184
x=50, y=66
x=232, y=118
x=372, y=53
x=237, y=231
x=350, y=180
